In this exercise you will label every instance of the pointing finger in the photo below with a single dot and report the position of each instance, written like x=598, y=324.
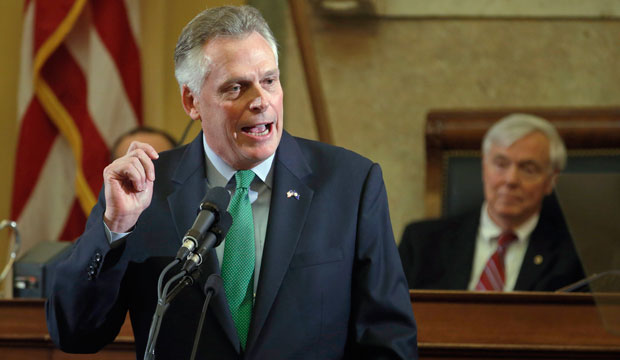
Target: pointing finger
x=146, y=148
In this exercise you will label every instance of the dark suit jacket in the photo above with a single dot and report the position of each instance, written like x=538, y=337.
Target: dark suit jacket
x=331, y=284
x=438, y=254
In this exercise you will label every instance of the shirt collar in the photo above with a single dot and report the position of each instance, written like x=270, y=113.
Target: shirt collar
x=490, y=230
x=224, y=172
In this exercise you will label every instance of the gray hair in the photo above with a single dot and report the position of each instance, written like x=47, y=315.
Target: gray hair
x=190, y=65
x=515, y=126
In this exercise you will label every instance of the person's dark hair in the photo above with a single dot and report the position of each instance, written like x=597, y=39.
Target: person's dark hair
x=141, y=130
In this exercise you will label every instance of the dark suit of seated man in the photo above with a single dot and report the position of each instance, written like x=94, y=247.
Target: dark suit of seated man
x=518, y=239
x=313, y=267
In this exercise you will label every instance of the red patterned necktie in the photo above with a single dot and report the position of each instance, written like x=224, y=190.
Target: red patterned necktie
x=493, y=275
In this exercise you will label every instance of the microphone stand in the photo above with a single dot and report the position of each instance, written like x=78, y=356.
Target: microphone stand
x=160, y=310
x=188, y=280
x=212, y=287
x=163, y=302
x=189, y=273
x=587, y=281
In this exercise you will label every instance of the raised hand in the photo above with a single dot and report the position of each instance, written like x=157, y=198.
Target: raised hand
x=129, y=186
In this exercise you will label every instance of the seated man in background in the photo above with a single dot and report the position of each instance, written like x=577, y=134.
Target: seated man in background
x=158, y=139
x=518, y=240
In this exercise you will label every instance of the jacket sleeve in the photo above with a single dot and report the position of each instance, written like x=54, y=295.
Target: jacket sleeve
x=86, y=309
x=383, y=323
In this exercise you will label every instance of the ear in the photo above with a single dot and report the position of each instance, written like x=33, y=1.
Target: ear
x=551, y=183
x=190, y=102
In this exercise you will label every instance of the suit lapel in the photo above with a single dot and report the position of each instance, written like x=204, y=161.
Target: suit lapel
x=219, y=304
x=191, y=186
x=461, y=255
x=541, y=245
x=542, y=250
x=287, y=216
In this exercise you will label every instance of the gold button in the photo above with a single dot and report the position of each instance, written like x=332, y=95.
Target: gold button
x=538, y=259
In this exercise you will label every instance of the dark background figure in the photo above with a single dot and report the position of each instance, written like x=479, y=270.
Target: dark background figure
x=522, y=156
x=158, y=139
x=327, y=282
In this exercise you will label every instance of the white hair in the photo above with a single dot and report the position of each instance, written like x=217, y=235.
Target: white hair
x=515, y=126
x=190, y=65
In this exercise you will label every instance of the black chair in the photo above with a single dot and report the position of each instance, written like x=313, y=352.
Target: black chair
x=454, y=138
x=462, y=175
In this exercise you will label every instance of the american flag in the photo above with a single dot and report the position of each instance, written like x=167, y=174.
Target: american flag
x=80, y=87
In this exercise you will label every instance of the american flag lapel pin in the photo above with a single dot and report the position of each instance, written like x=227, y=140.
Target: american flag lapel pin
x=292, y=193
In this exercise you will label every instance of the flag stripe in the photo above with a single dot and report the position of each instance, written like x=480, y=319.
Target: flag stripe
x=104, y=86
x=123, y=49
x=25, y=90
x=74, y=224
x=54, y=20
x=133, y=15
x=46, y=210
x=68, y=86
x=62, y=120
x=34, y=150
x=50, y=40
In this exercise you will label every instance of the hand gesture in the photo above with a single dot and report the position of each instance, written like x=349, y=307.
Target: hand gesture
x=129, y=186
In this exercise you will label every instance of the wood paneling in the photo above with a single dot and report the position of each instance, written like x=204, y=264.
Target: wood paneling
x=517, y=325
x=23, y=335
x=451, y=325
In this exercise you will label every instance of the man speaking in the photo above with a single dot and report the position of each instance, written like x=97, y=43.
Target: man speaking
x=310, y=267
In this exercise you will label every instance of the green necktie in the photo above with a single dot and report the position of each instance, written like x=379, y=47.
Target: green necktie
x=238, y=262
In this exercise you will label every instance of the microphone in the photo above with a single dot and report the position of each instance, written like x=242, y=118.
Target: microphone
x=211, y=207
x=212, y=239
x=191, y=270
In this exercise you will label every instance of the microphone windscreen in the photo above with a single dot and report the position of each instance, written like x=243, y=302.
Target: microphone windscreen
x=225, y=223
x=214, y=283
x=217, y=197
x=222, y=227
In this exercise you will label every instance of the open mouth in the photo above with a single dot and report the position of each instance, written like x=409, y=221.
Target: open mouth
x=258, y=130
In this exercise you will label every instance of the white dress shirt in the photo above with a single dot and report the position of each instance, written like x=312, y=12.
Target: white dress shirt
x=486, y=244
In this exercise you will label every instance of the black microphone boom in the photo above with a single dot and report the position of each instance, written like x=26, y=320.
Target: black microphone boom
x=214, y=203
